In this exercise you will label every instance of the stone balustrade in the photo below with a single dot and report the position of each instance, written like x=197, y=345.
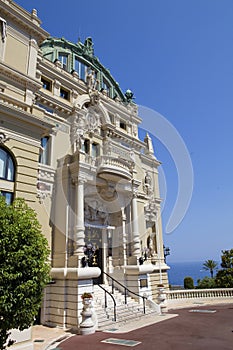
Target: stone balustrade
x=187, y=294
x=108, y=164
x=113, y=161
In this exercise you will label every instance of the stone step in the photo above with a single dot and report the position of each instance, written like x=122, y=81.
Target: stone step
x=124, y=312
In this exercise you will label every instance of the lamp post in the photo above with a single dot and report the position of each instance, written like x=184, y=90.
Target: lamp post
x=89, y=252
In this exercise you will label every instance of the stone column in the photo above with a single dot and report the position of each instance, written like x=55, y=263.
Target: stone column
x=79, y=218
x=135, y=230
x=124, y=235
x=104, y=253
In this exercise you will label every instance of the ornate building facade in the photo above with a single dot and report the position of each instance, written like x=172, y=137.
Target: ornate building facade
x=69, y=145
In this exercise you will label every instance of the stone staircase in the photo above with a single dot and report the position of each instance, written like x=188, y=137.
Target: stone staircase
x=131, y=311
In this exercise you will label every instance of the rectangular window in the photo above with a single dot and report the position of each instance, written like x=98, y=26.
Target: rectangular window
x=106, y=87
x=64, y=93
x=122, y=125
x=46, y=84
x=44, y=157
x=81, y=69
x=63, y=58
x=8, y=196
x=112, y=118
x=86, y=146
x=95, y=149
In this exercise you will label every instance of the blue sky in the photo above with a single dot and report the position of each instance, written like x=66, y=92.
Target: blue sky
x=177, y=58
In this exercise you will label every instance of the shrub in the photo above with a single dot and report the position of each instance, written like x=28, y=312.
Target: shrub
x=188, y=283
x=23, y=264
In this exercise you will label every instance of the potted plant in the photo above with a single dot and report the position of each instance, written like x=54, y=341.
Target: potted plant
x=86, y=295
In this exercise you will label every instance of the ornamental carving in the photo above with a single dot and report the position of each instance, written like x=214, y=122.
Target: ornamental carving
x=151, y=211
x=92, y=81
x=147, y=185
x=95, y=213
x=3, y=138
x=45, y=183
x=87, y=122
x=92, y=121
x=43, y=191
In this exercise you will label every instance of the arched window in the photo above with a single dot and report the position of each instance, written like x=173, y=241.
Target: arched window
x=7, y=175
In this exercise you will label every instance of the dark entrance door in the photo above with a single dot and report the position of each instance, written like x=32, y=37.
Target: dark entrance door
x=97, y=261
x=94, y=237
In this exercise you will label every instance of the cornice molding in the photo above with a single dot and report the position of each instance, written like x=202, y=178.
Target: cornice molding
x=10, y=11
x=54, y=102
x=17, y=137
x=19, y=77
x=149, y=160
x=24, y=116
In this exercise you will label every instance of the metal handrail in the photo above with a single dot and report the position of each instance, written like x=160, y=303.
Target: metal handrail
x=126, y=289
x=105, y=300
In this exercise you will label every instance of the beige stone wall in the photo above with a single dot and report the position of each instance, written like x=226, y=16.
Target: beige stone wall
x=14, y=44
x=62, y=305
x=157, y=278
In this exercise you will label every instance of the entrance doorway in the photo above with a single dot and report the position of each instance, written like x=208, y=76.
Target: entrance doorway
x=93, y=237
x=100, y=238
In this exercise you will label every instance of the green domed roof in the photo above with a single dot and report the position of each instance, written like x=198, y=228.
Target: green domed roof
x=81, y=55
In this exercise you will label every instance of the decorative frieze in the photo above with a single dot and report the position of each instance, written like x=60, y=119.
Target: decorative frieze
x=151, y=210
x=45, y=182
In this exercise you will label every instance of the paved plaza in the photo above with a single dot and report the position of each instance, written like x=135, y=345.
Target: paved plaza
x=199, y=327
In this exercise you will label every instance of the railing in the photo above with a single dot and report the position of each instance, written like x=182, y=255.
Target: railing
x=126, y=290
x=113, y=161
x=105, y=300
x=199, y=293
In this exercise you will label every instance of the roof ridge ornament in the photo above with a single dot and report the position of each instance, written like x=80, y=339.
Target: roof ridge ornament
x=88, y=48
x=129, y=96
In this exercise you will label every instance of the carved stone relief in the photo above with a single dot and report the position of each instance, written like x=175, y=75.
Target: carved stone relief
x=151, y=210
x=95, y=213
x=147, y=184
x=85, y=122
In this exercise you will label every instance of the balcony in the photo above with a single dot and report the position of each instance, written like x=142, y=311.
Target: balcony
x=112, y=168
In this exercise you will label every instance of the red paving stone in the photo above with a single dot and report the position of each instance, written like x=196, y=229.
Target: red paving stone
x=190, y=330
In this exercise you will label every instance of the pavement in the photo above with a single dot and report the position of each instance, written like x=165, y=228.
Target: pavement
x=187, y=327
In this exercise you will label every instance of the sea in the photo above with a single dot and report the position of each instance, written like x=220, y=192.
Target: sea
x=178, y=271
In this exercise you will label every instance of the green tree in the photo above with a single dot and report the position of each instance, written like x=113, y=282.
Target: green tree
x=188, y=283
x=224, y=277
x=210, y=265
x=24, y=270
x=206, y=283
x=227, y=259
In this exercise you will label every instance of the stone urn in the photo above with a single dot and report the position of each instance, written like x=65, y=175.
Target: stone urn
x=87, y=324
